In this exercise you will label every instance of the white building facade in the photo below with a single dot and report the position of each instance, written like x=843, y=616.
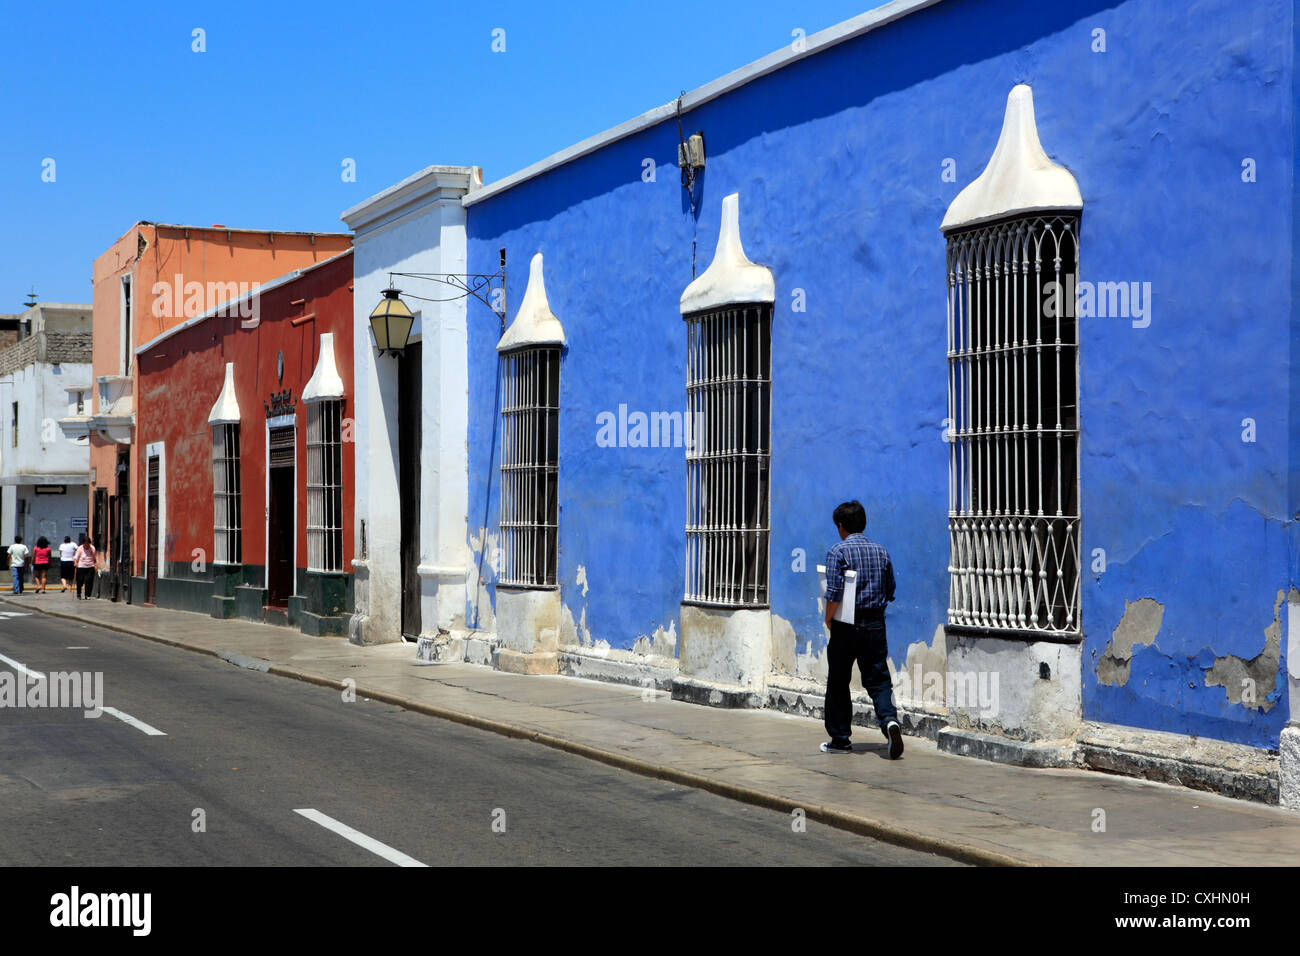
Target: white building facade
x=411, y=472
x=45, y=399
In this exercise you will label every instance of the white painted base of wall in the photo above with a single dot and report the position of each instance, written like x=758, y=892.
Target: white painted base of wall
x=649, y=671
x=359, y=620
x=726, y=647
x=1289, y=768
x=528, y=630
x=1028, y=706
x=459, y=645
x=1233, y=770
x=442, y=599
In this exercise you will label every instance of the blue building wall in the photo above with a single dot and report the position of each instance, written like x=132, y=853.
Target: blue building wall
x=838, y=160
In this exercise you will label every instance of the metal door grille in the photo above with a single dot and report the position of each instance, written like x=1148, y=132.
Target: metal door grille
x=530, y=456
x=1013, y=455
x=729, y=408
x=281, y=441
x=226, y=494
x=325, y=486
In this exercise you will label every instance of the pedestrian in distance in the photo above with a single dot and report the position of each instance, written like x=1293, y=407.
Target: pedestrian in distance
x=862, y=641
x=18, y=562
x=84, y=557
x=40, y=563
x=67, y=569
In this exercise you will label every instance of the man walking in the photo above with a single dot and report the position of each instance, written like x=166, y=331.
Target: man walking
x=863, y=640
x=18, y=562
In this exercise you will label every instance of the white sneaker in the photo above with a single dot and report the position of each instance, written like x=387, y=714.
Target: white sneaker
x=895, y=734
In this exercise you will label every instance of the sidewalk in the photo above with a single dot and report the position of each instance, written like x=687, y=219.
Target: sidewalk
x=959, y=807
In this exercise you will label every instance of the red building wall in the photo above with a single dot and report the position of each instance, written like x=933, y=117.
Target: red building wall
x=179, y=381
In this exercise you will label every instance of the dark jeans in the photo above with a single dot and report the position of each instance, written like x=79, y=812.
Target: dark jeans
x=864, y=643
x=84, y=579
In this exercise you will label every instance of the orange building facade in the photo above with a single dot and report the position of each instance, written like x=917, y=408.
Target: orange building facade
x=152, y=279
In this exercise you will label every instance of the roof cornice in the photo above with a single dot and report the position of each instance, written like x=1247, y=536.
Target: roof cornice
x=428, y=185
x=817, y=43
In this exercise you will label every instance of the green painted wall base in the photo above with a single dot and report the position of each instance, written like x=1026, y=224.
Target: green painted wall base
x=322, y=625
x=249, y=602
x=320, y=608
x=184, y=594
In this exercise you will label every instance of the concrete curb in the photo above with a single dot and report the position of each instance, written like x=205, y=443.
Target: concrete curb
x=839, y=819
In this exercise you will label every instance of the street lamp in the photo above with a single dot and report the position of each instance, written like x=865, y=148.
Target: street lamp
x=392, y=319
x=391, y=322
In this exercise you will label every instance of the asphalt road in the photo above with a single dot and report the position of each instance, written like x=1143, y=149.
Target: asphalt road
x=250, y=750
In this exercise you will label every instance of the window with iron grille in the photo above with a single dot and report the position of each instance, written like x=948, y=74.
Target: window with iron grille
x=325, y=486
x=226, y=494
x=1013, y=454
x=530, y=456
x=728, y=456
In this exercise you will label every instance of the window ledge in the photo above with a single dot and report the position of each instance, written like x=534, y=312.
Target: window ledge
x=727, y=607
x=1014, y=634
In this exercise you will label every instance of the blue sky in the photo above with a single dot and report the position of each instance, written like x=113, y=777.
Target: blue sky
x=253, y=131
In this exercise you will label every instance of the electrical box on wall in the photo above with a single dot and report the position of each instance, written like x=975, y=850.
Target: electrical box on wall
x=690, y=154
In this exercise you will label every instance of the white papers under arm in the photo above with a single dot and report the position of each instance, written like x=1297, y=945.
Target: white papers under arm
x=847, y=603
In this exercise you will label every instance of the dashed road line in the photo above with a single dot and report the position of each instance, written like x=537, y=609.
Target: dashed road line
x=360, y=839
x=134, y=722
x=34, y=675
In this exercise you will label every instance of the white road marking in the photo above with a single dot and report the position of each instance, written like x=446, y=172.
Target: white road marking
x=137, y=724
x=15, y=614
x=360, y=839
x=19, y=667
x=77, y=648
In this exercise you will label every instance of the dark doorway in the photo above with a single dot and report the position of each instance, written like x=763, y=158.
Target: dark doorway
x=280, y=524
x=120, y=569
x=408, y=455
x=151, y=549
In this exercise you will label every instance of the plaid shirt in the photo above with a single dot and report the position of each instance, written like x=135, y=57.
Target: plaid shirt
x=875, y=572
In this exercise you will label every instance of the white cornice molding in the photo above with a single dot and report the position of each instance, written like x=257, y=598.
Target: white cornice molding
x=225, y=411
x=535, y=323
x=429, y=185
x=325, y=383
x=1019, y=178
x=730, y=279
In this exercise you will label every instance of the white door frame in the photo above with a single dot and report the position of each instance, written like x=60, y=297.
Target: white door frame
x=280, y=421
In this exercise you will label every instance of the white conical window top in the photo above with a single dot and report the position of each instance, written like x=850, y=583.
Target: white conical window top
x=1019, y=178
x=535, y=323
x=324, y=383
x=226, y=410
x=730, y=279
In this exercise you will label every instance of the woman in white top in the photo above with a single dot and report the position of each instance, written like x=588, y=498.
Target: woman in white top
x=67, y=569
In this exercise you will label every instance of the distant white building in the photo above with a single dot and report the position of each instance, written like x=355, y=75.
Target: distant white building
x=45, y=400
